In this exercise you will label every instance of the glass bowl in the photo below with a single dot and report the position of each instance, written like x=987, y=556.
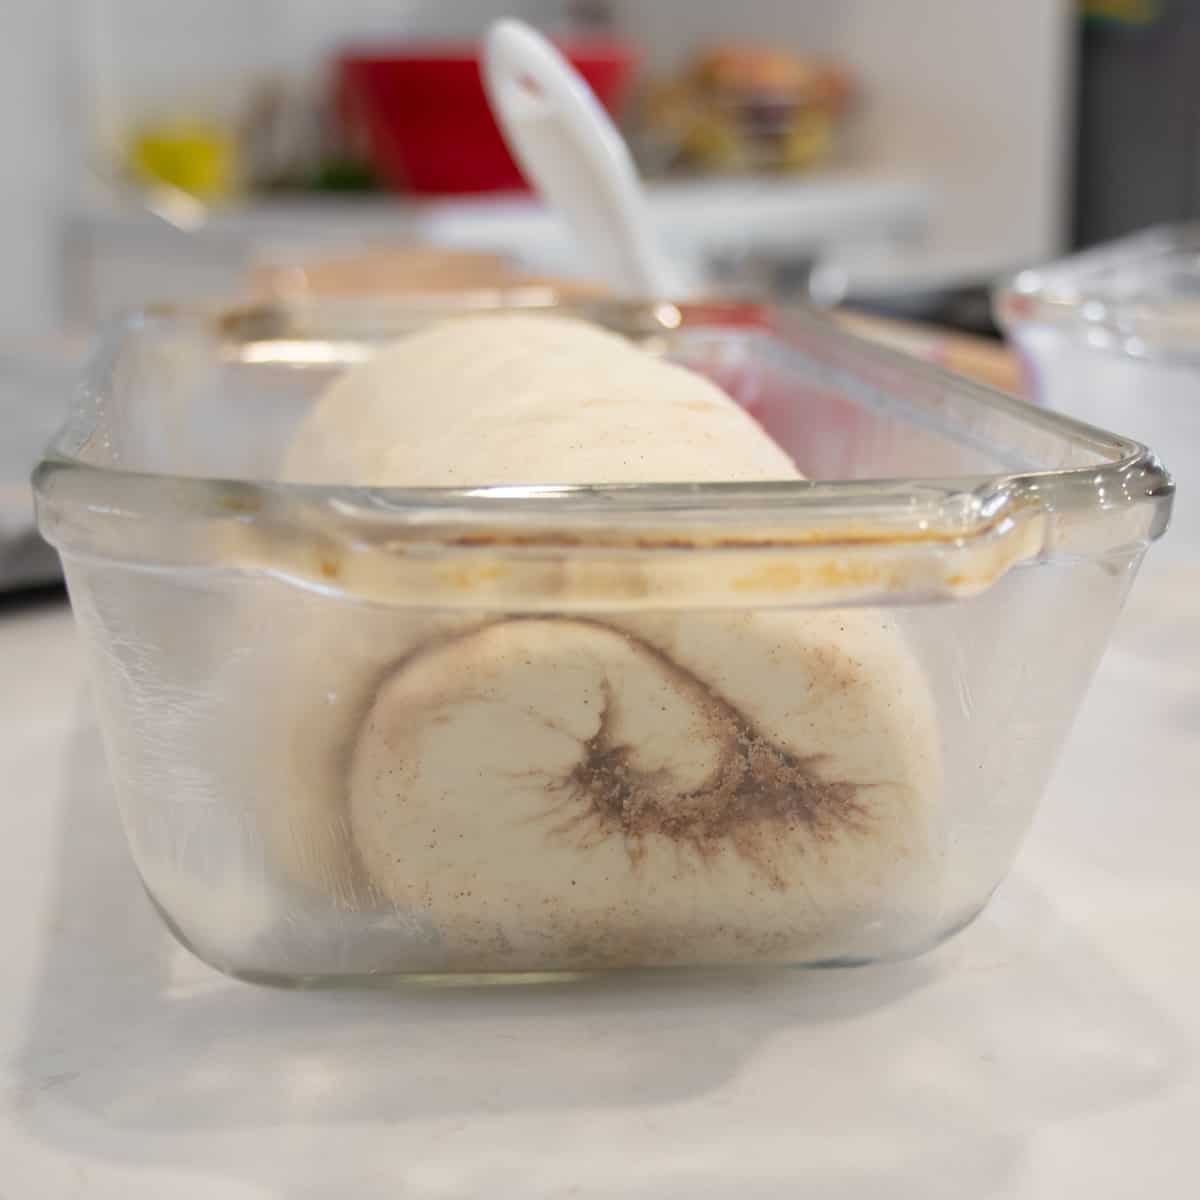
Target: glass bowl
x=1112, y=335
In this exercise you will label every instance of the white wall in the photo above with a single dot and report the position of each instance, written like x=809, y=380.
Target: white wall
x=36, y=173
x=972, y=95
x=671, y=29
x=205, y=52
x=977, y=96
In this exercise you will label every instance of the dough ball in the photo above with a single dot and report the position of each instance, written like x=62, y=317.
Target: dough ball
x=571, y=791
x=526, y=399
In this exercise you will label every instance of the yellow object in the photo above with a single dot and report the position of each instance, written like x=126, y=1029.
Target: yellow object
x=808, y=141
x=712, y=141
x=196, y=156
x=750, y=108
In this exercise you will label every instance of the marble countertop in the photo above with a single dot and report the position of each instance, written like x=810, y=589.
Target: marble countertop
x=1050, y=1051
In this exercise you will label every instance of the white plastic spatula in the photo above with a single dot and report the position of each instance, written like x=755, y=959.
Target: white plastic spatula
x=573, y=155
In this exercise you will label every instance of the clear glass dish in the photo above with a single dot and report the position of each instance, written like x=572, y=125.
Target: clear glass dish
x=1112, y=336
x=822, y=712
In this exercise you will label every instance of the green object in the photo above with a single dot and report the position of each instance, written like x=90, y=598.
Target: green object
x=1129, y=13
x=344, y=176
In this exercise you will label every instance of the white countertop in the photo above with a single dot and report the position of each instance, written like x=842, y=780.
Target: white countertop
x=1050, y=1051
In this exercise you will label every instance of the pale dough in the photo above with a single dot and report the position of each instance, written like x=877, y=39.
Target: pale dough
x=524, y=399
x=566, y=791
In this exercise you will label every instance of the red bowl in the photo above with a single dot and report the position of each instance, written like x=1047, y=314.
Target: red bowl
x=421, y=113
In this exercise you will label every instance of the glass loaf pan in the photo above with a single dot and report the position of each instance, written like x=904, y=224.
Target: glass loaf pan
x=804, y=722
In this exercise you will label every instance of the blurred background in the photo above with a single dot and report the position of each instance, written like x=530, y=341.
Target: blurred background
x=893, y=155
x=893, y=159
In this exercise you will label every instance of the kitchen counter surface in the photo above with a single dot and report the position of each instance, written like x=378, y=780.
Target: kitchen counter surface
x=1050, y=1051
